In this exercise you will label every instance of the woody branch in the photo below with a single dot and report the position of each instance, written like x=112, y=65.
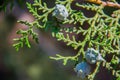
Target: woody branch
x=110, y=4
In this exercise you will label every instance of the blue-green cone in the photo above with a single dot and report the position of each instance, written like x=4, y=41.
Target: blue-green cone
x=60, y=12
x=92, y=56
x=83, y=69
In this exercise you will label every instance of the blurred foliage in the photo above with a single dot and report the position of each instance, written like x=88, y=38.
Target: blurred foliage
x=102, y=32
x=5, y=3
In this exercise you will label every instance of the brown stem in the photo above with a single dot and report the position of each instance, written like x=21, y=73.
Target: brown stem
x=110, y=4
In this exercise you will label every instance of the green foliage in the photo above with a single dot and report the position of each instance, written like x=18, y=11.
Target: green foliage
x=25, y=35
x=102, y=32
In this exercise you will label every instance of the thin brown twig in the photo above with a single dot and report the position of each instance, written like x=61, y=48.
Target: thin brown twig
x=110, y=4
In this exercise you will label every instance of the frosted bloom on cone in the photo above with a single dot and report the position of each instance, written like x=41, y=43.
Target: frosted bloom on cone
x=92, y=56
x=60, y=12
x=83, y=69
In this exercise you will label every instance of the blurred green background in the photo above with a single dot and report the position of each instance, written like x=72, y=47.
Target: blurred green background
x=29, y=63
